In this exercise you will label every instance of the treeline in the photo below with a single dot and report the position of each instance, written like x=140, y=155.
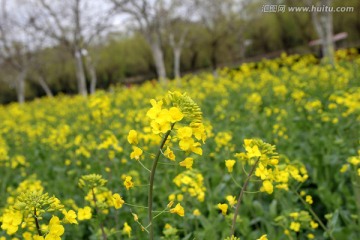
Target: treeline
x=215, y=34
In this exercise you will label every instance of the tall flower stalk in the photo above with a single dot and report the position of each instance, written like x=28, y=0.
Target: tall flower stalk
x=175, y=109
x=264, y=162
x=151, y=181
x=91, y=182
x=241, y=194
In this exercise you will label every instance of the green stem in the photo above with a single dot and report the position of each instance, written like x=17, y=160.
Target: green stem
x=157, y=215
x=97, y=212
x=356, y=188
x=37, y=223
x=143, y=166
x=132, y=205
x=151, y=182
x=243, y=189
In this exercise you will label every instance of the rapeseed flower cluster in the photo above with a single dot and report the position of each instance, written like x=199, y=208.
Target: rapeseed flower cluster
x=30, y=208
x=297, y=222
x=192, y=183
x=269, y=169
x=163, y=114
x=98, y=196
x=353, y=163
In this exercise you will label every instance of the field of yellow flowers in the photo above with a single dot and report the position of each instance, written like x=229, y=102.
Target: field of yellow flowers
x=269, y=150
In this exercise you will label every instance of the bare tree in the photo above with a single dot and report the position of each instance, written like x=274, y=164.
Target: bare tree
x=177, y=43
x=14, y=49
x=179, y=18
x=74, y=24
x=38, y=72
x=91, y=68
x=322, y=19
x=150, y=16
x=15, y=57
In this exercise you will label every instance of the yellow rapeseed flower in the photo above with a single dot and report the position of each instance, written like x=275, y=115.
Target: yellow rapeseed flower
x=261, y=171
x=56, y=230
x=230, y=164
x=310, y=236
x=267, y=187
x=196, y=212
x=84, y=213
x=155, y=110
x=178, y=209
x=175, y=114
x=172, y=197
x=263, y=237
x=136, y=217
x=179, y=197
x=184, y=132
x=117, y=200
x=133, y=137
x=253, y=151
x=309, y=199
x=188, y=162
x=231, y=200
x=128, y=182
x=35, y=237
x=169, y=154
x=294, y=215
x=295, y=226
x=126, y=229
x=344, y=168
x=11, y=221
x=354, y=160
x=223, y=207
x=314, y=224
x=69, y=216
x=136, y=153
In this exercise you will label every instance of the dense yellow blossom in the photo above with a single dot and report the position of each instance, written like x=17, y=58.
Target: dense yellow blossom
x=295, y=226
x=11, y=221
x=56, y=230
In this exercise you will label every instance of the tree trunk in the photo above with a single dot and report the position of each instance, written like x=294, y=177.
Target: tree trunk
x=20, y=86
x=177, y=47
x=92, y=72
x=159, y=61
x=177, y=55
x=80, y=75
x=45, y=87
x=323, y=23
x=328, y=43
